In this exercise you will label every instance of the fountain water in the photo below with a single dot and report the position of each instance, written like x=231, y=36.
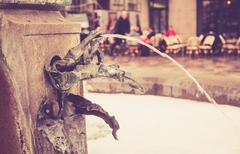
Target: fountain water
x=200, y=88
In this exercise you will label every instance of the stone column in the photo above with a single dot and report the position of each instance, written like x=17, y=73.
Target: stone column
x=183, y=17
x=29, y=39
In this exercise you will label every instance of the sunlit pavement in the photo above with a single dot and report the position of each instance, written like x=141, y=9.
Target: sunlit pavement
x=161, y=125
x=202, y=68
x=219, y=76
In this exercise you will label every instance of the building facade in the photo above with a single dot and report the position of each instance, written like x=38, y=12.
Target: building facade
x=188, y=17
x=157, y=14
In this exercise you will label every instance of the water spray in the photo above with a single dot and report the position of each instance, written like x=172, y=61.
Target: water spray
x=200, y=88
x=164, y=55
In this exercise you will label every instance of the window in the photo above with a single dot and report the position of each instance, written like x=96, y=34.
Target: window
x=104, y=4
x=221, y=16
x=118, y=5
x=133, y=5
x=158, y=15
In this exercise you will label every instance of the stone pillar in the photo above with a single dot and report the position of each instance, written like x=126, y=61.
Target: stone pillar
x=183, y=17
x=29, y=39
x=144, y=14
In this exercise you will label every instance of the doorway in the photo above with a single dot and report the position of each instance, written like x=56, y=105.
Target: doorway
x=158, y=15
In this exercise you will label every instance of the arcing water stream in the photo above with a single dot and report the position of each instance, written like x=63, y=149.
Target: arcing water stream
x=200, y=88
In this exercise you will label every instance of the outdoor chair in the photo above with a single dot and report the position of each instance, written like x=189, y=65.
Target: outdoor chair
x=238, y=45
x=133, y=47
x=156, y=39
x=168, y=43
x=201, y=37
x=207, y=44
x=181, y=44
x=193, y=44
x=174, y=44
x=228, y=47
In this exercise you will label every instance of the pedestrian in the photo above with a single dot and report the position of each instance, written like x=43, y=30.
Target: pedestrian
x=111, y=23
x=96, y=20
x=110, y=26
x=148, y=33
x=217, y=43
x=122, y=27
x=170, y=32
x=134, y=31
x=151, y=33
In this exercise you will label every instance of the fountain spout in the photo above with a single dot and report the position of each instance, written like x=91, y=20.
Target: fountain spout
x=63, y=74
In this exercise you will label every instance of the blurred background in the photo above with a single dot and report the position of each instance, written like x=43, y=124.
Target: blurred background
x=172, y=116
x=173, y=26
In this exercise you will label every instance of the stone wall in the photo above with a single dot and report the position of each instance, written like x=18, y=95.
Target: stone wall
x=28, y=41
x=144, y=15
x=183, y=17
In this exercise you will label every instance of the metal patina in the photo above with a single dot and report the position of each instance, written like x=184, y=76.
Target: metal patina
x=63, y=74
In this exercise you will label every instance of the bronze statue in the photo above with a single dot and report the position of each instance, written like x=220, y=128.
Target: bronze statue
x=65, y=72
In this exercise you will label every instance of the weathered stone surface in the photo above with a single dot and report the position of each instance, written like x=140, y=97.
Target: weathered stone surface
x=28, y=41
x=11, y=132
x=222, y=95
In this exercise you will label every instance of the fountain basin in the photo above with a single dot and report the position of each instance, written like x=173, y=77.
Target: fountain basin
x=154, y=124
x=220, y=77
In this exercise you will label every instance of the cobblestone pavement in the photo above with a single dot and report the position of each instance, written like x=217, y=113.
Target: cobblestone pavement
x=220, y=77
